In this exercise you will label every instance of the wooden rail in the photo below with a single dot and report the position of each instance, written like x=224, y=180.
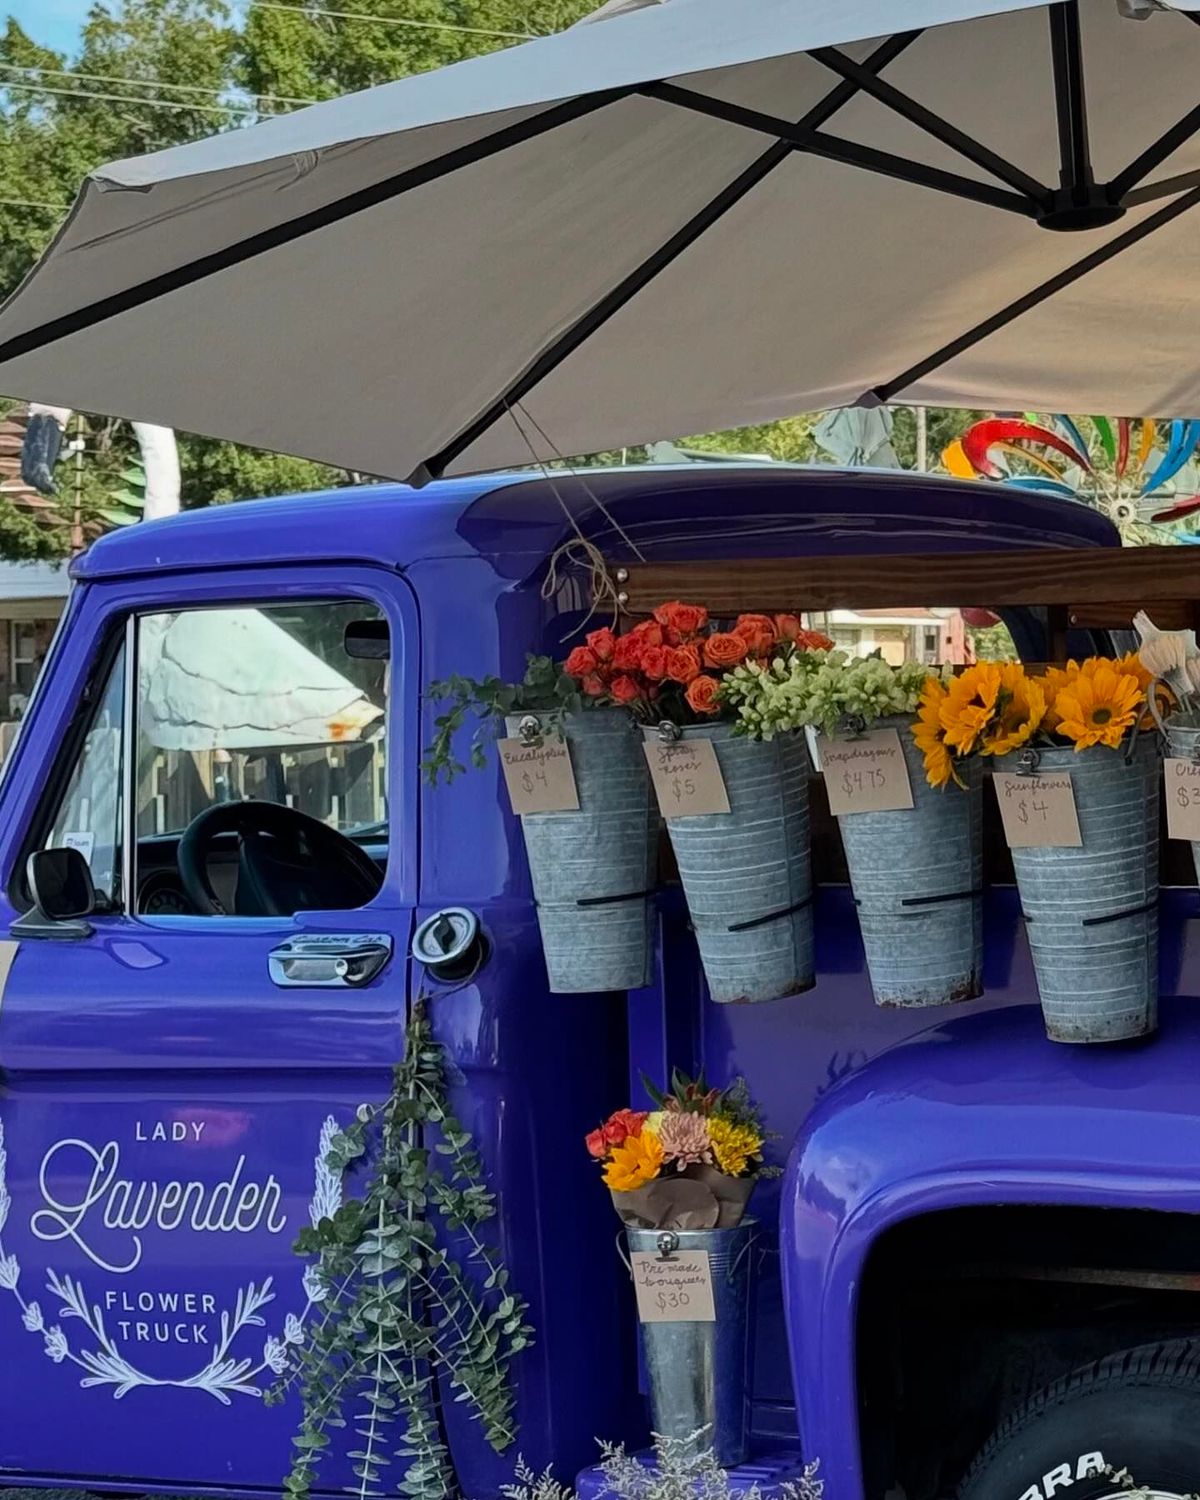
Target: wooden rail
x=1094, y=587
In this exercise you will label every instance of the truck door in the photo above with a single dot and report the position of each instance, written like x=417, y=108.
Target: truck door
x=172, y=1068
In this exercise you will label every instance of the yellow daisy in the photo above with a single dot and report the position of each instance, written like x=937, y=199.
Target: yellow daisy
x=928, y=736
x=1098, y=707
x=1022, y=707
x=735, y=1147
x=635, y=1162
x=970, y=705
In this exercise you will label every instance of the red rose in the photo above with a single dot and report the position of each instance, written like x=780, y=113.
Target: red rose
x=701, y=695
x=593, y=685
x=627, y=655
x=654, y=662
x=602, y=642
x=681, y=621
x=623, y=1123
x=596, y=1144
x=787, y=627
x=814, y=640
x=624, y=689
x=581, y=662
x=758, y=632
x=683, y=663
x=724, y=650
x=649, y=633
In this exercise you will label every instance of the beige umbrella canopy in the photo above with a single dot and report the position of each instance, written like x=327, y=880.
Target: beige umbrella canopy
x=696, y=214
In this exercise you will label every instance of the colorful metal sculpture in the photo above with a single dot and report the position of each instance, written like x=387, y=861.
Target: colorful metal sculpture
x=1128, y=468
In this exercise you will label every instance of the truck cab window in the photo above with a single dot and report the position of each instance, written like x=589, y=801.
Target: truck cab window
x=261, y=758
x=89, y=815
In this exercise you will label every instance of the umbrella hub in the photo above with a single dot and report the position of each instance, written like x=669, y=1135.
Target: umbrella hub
x=1074, y=208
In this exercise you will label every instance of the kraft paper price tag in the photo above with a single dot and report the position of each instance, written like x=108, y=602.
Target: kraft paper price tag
x=1038, y=811
x=687, y=778
x=539, y=777
x=866, y=774
x=1181, y=781
x=678, y=1290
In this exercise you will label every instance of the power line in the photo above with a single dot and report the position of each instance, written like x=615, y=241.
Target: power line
x=198, y=109
x=145, y=83
x=346, y=15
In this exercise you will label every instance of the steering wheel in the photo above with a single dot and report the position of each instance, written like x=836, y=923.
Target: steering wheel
x=287, y=862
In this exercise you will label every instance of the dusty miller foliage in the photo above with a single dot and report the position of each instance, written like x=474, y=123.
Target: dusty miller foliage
x=410, y=1292
x=679, y=1472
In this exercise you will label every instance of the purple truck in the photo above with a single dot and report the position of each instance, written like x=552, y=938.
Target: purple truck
x=982, y=1264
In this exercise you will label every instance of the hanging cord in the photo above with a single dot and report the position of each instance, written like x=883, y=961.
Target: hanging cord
x=575, y=474
x=580, y=552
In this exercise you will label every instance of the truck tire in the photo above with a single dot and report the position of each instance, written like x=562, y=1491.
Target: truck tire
x=1137, y=1412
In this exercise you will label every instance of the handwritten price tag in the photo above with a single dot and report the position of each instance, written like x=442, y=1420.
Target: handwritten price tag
x=1181, y=778
x=678, y=1290
x=539, y=777
x=687, y=778
x=866, y=774
x=1038, y=811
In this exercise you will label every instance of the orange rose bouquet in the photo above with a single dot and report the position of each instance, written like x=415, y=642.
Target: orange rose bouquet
x=679, y=665
x=690, y=1163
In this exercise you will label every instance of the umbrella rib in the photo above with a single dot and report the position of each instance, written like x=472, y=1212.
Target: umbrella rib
x=1167, y=187
x=609, y=305
x=933, y=124
x=837, y=98
x=1038, y=295
x=1119, y=188
x=850, y=153
x=318, y=218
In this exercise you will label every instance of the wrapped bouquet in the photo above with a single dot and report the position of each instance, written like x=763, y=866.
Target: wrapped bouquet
x=689, y=1163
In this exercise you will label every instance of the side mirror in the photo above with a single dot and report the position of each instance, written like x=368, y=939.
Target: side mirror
x=60, y=883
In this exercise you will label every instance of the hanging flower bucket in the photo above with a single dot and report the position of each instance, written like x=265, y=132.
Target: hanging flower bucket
x=594, y=869
x=909, y=811
x=577, y=778
x=746, y=873
x=917, y=877
x=1091, y=911
x=1080, y=803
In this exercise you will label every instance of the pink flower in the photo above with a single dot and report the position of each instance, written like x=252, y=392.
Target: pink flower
x=685, y=1139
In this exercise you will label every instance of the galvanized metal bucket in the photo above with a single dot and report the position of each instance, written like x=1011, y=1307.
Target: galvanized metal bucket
x=594, y=870
x=1092, y=913
x=699, y=1373
x=917, y=877
x=1182, y=735
x=747, y=873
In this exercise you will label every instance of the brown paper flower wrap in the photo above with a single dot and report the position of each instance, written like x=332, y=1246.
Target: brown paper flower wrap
x=691, y=1163
x=699, y=1198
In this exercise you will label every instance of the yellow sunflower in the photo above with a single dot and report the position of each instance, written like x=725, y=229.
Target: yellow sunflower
x=735, y=1147
x=1098, y=707
x=635, y=1162
x=970, y=706
x=1132, y=664
x=928, y=735
x=1022, y=707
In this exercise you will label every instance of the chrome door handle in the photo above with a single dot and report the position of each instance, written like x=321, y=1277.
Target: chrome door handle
x=330, y=960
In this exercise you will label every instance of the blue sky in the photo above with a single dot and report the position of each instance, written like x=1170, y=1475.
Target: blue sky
x=54, y=23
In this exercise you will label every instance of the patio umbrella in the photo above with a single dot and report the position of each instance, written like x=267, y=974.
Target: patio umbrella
x=692, y=215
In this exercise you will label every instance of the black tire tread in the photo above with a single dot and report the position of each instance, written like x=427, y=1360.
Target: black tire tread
x=1173, y=1364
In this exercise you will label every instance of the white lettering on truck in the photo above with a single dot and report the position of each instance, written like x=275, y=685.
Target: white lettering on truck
x=1086, y=1466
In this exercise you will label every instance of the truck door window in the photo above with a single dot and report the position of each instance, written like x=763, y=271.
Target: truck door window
x=258, y=704
x=89, y=815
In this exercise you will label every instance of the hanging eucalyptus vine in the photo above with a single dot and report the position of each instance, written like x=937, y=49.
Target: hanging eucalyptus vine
x=410, y=1292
